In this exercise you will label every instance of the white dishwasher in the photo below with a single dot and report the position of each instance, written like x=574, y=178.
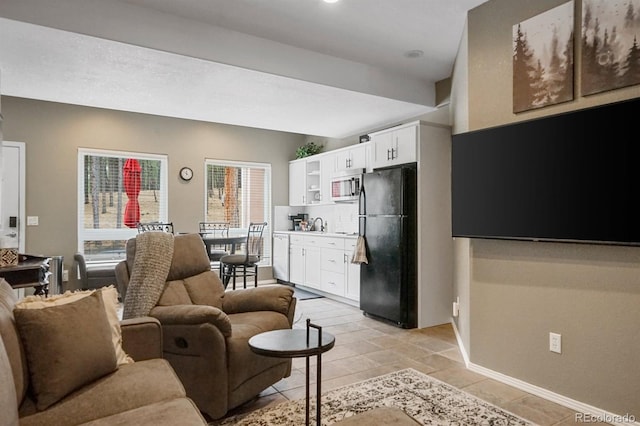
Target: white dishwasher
x=281, y=256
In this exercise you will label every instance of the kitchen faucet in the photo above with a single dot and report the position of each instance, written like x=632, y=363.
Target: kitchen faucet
x=321, y=224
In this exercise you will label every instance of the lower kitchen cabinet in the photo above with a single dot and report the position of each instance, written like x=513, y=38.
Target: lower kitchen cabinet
x=352, y=274
x=332, y=270
x=323, y=262
x=304, y=261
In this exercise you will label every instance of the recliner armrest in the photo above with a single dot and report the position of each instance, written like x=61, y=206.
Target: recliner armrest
x=142, y=338
x=191, y=315
x=276, y=298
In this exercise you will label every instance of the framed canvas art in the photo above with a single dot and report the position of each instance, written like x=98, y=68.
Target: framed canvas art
x=610, y=46
x=543, y=59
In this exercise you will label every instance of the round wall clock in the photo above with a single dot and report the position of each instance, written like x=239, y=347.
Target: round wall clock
x=186, y=173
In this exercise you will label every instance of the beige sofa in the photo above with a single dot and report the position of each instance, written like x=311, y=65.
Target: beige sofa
x=145, y=392
x=206, y=329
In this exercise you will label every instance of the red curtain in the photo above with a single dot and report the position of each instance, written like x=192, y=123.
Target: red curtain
x=131, y=174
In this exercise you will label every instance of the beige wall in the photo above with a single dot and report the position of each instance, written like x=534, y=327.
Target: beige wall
x=518, y=292
x=53, y=133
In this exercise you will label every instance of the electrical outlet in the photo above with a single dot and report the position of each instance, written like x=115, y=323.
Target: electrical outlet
x=65, y=275
x=456, y=307
x=555, y=342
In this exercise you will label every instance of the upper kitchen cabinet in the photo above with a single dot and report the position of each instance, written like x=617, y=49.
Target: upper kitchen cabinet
x=394, y=146
x=327, y=168
x=309, y=180
x=352, y=158
x=297, y=183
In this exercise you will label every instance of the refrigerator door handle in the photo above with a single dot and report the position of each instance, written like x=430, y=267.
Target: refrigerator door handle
x=362, y=199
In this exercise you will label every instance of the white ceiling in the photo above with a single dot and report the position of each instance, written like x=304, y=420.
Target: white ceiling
x=301, y=66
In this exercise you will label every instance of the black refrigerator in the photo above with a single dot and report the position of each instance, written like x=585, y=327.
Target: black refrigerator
x=388, y=223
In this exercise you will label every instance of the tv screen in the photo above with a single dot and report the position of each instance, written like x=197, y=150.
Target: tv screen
x=569, y=177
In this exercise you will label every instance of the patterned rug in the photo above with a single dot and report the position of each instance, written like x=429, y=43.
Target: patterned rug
x=428, y=400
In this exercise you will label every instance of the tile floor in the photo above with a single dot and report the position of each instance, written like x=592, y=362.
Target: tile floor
x=367, y=348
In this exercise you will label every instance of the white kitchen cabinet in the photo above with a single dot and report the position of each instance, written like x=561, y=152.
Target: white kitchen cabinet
x=310, y=180
x=327, y=168
x=332, y=266
x=398, y=145
x=323, y=262
x=352, y=158
x=296, y=263
x=352, y=274
x=313, y=180
x=304, y=261
x=297, y=183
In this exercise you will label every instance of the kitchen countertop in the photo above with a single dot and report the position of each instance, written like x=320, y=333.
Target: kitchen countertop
x=318, y=234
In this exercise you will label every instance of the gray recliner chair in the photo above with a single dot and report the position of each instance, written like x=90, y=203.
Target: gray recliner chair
x=206, y=330
x=96, y=277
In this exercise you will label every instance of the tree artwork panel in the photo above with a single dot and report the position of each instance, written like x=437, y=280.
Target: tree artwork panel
x=610, y=50
x=543, y=59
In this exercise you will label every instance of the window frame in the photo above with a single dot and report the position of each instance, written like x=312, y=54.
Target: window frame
x=267, y=254
x=85, y=234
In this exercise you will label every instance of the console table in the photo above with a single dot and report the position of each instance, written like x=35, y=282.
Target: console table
x=31, y=271
x=297, y=343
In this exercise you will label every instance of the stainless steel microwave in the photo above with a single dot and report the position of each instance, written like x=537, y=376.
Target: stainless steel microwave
x=346, y=188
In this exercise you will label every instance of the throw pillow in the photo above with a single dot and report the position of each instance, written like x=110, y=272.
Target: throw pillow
x=66, y=347
x=110, y=299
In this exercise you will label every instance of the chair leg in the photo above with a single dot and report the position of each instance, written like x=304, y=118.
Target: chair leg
x=255, y=274
x=233, y=272
x=244, y=276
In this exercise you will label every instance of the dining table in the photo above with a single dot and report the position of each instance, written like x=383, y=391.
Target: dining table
x=231, y=241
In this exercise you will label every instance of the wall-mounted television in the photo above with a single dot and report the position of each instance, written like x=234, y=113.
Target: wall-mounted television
x=569, y=177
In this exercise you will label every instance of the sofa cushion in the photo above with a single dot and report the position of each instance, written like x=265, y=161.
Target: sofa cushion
x=110, y=299
x=180, y=411
x=131, y=386
x=11, y=340
x=8, y=399
x=67, y=346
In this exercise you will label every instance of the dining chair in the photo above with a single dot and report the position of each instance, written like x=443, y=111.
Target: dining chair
x=215, y=229
x=155, y=226
x=234, y=266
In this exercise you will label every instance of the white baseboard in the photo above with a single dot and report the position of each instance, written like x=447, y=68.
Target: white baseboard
x=594, y=413
x=463, y=351
x=591, y=413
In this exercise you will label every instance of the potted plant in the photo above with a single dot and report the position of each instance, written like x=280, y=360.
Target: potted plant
x=310, y=148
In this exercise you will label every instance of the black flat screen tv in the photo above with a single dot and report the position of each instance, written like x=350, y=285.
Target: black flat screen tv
x=572, y=177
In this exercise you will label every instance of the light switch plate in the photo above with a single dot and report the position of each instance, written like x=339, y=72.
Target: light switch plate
x=32, y=220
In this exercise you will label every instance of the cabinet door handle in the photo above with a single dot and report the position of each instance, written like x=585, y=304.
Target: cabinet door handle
x=388, y=154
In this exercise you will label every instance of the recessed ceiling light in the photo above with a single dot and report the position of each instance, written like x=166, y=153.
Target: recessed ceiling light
x=331, y=1
x=414, y=53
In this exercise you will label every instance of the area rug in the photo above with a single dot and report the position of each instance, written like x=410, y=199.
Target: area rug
x=428, y=400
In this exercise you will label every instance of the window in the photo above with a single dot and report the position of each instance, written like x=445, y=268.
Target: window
x=239, y=193
x=112, y=187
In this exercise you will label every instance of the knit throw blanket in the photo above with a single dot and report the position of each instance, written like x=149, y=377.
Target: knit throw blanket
x=154, y=251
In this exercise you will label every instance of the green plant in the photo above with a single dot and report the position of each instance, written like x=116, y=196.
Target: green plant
x=310, y=148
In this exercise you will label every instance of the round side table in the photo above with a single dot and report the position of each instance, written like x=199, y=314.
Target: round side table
x=297, y=343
